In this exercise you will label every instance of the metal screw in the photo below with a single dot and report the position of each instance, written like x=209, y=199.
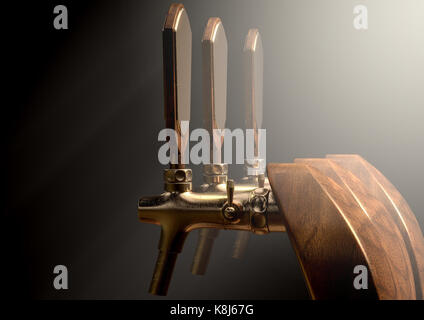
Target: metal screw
x=230, y=213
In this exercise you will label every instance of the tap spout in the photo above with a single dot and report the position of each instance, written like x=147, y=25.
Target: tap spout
x=178, y=213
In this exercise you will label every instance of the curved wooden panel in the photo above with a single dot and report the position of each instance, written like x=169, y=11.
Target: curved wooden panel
x=392, y=243
x=381, y=188
x=331, y=234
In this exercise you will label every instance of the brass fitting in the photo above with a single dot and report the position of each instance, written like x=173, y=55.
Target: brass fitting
x=177, y=180
x=178, y=213
x=221, y=204
x=215, y=173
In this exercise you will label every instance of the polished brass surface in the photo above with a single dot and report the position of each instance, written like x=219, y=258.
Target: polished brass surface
x=254, y=167
x=214, y=81
x=208, y=236
x=214, y=74
x=176, y=36
x=215, y=169
x=177, y=180
x=240, y=244
x=230, y=193
x=215, y=179
x=253, y=60
x=215, y=173
x=203, y=250
x=179, y=213
x=222, y=204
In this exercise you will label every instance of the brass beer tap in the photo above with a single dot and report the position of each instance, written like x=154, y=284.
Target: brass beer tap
x=221, y=206
x=339, y=211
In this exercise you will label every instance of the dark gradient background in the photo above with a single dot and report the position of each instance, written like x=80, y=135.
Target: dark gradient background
x=82, y=109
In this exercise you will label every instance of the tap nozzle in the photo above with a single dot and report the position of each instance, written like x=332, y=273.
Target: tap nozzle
x=203, y=250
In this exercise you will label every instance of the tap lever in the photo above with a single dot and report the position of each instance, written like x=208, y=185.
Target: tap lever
x=214, y=73
x=177, y=38
x=214, y=80
x=230, y=192
x=254, y=165
x=254, y=59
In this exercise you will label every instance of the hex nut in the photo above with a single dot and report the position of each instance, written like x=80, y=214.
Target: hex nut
x=177, y=175
x=214, y=169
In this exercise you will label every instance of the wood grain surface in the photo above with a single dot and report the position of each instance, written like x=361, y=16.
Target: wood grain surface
x=392, y=244
x=335, y=223
x=382, y=189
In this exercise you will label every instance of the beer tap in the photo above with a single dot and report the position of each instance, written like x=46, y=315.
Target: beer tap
x=339, y=212
x=214, y=81
x=179, y=210
x=255, y=165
